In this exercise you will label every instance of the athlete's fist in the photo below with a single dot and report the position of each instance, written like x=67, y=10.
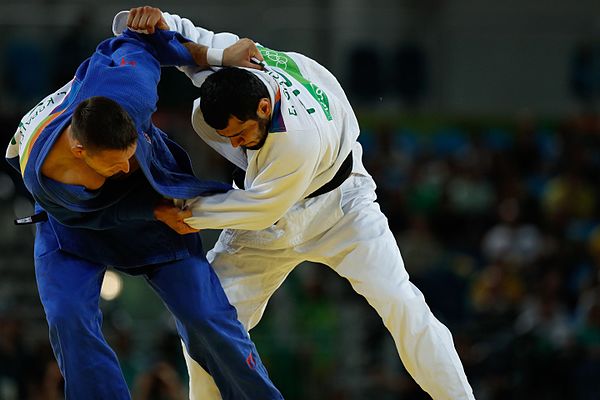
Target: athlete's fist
x=240, y=54
x=146, y=20
x=173, y=216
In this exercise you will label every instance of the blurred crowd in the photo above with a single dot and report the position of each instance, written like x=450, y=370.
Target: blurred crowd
x=499, y=227
x=498, y=222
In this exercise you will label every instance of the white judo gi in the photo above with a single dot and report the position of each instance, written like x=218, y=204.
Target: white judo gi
x=270, y=227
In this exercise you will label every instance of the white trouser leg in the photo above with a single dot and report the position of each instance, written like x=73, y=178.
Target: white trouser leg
x=202, y=385
x=249, y=278
x=362, y=249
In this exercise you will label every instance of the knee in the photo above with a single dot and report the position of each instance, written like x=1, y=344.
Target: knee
x=65, y=313
x=204, y=322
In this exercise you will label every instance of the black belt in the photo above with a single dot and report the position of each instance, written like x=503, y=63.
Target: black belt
x=340, y=176
x=32, y=219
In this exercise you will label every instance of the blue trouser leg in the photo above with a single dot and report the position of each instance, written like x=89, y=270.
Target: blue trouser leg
x=69, y=289
x=209, y=327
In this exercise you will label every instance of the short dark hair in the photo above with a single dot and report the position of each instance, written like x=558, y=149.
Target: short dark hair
x=100, y=123
x=231, y=92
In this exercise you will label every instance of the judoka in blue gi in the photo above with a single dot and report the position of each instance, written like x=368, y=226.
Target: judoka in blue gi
x=96, y=167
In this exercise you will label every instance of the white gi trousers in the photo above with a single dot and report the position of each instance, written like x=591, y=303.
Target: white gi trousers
x=346, y=230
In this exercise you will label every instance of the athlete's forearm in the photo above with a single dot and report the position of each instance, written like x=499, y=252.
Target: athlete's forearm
x=199, y=54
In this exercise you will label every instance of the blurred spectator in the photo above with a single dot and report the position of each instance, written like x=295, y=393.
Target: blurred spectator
x=163, y=379
x=497, y=292
x=160, y=382
x=545, y=315
x=567, y=196
x=510, y=240
x=123, y=344
x=45, y=380
x=14, y=360
x=469, y=193
x=421, y=251
x=426, y=188
x=588, y=340
x=544, y=342
x=317, y=325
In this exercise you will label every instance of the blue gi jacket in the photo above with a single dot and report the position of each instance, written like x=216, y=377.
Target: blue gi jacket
x=115, y=225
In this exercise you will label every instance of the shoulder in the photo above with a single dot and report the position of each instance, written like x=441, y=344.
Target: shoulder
x=293, y=147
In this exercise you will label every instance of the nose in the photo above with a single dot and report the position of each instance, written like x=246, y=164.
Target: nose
x=125, y=167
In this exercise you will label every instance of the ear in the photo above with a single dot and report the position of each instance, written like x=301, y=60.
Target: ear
x=77, y=149
x=264, y=108
x=75, y=145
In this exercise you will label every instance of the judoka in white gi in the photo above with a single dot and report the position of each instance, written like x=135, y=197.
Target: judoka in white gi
x=300, y=137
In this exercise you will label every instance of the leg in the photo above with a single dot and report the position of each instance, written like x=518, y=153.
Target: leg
x=69, y=289
x=210, y=330
x=249, y=278
x=362, y=249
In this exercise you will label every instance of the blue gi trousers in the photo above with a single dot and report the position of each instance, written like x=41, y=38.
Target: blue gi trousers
x=69, y=289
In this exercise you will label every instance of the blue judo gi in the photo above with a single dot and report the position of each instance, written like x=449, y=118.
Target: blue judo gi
x=88, y=230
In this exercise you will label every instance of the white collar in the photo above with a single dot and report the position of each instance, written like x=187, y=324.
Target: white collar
x=270, y=84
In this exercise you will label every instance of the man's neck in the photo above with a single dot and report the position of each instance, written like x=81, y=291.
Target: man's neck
x=63, y=166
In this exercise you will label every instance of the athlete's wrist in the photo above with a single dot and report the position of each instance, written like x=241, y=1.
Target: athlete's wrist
x=214, y=56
